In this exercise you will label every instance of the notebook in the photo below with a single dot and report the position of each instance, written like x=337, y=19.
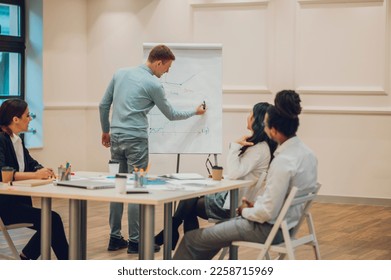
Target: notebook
x=31, y=182
x=86, y=184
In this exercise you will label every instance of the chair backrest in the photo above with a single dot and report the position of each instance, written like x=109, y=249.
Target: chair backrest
x=2, y=226
x=295, y=197
x=305, y=198
x=7, y=237
x=4, y=229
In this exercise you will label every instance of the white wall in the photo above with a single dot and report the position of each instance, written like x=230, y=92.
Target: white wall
x=335, y=53
x=64, y=83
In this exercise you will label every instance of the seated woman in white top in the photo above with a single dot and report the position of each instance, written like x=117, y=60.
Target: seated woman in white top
x=247, y=159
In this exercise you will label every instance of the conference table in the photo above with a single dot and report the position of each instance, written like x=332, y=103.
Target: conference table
x=158, y=195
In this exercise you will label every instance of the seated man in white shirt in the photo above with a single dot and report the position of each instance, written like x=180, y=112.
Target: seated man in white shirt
x=294, y=164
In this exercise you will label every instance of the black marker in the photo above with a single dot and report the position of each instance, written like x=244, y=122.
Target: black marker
x=137, y=192
x=203, y=105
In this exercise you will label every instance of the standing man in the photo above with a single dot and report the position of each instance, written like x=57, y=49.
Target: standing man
x=133, y=92
x=294, y=164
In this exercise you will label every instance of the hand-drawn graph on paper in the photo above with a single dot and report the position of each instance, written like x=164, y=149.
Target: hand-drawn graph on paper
x=194, y=77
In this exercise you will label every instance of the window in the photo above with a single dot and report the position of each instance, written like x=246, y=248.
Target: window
x=12, y=48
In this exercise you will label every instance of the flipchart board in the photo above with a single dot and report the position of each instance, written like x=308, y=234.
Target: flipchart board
x=195, y=76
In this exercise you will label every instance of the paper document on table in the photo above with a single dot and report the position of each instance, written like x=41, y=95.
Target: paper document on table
x=195, y=183
x=160, y=187
x=184, y=176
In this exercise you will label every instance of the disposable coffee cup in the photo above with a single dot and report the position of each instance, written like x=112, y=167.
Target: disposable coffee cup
x=7, y=174
x=217, y=173
x=120, y=183
x=113, y=167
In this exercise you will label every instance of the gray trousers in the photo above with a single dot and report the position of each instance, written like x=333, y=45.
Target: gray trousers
x=205, y=243
x=130, y=153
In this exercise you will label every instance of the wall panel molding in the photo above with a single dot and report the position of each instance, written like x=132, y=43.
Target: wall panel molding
x=381, y=89
x=323, y=110
x=71, y=106
x=359, y=91
x=242, y=90
x=320, y=110
x=334, y=110
x=304, y=2
x=227, y=3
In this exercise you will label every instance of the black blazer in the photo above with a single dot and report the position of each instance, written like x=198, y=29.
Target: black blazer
x=8, y=158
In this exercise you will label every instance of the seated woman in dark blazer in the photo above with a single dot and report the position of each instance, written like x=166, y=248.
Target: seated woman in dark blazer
x=14, y=119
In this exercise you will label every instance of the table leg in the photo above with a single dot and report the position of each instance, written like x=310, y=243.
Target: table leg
x=233, y=250
x=46, y=227
x=147, y=223
x=83, y=229
x=167, y=231
x=74, y=229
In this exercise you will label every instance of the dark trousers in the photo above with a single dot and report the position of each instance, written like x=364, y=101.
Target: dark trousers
x=188, y=210
x=26, y=213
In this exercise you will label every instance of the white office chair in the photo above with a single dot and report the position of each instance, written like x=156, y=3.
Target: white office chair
x=295, y=197
x=251, y=194
x=4, y=229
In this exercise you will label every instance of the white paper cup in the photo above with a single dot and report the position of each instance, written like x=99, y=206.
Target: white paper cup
x=120, y=183
x=113, y=168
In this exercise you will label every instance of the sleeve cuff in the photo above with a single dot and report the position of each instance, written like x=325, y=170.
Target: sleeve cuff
x=245, y=213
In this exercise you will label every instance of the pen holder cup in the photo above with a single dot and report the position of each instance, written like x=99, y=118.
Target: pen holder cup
x=7, y=174
x=143, y=181
x=63, y=174
x=140, y=181
x=217, y=173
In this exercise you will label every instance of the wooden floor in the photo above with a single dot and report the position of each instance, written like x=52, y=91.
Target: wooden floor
x=344, y=231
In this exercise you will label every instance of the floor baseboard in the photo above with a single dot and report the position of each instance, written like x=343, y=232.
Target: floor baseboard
x=353, y=200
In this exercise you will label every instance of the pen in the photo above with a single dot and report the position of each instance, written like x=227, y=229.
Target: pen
x=203, y=105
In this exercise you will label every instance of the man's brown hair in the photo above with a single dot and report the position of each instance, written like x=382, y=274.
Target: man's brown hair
x=160, y=52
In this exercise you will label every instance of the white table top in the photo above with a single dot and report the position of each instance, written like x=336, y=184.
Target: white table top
x=158, y=194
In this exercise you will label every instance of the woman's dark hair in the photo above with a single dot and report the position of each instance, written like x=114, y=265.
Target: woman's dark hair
x=11, y=108
x=259, y=135
x=284, y=115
